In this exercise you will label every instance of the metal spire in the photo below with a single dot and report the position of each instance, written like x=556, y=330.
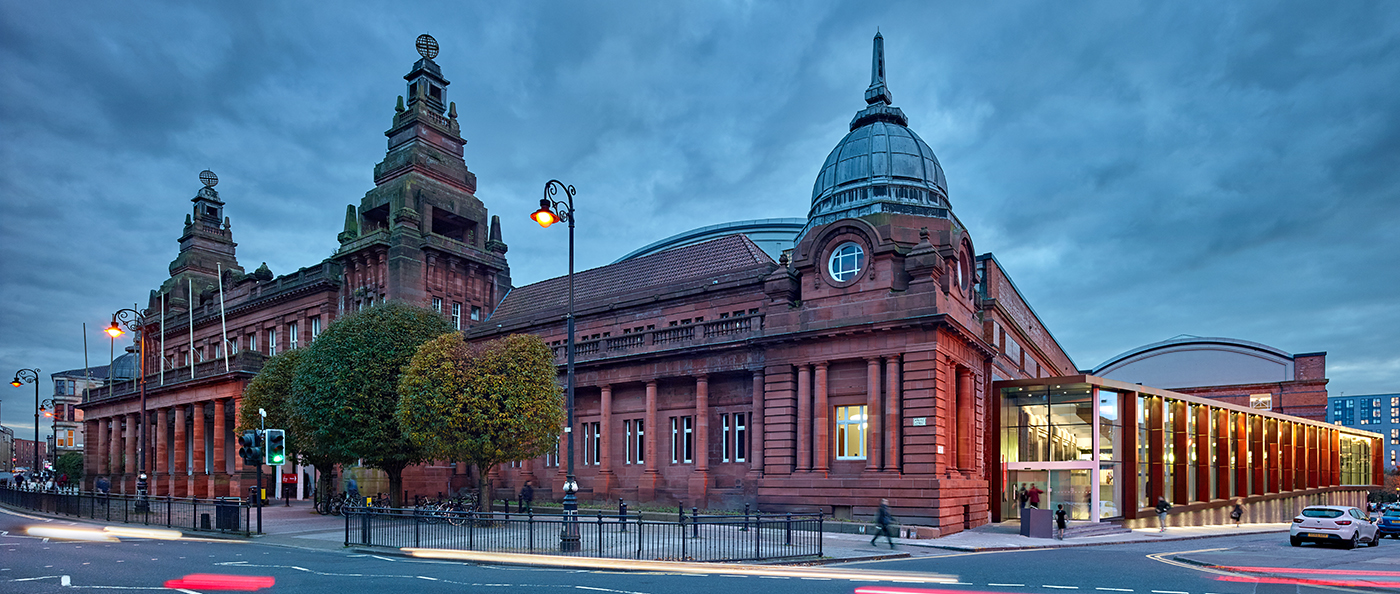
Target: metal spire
x=878, y=92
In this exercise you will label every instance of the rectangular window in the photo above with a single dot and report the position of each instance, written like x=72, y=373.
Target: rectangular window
x=641, y=444
x=552, y=458
x=597, y=444
x=627, y=430
x=233, y=345
x=252, y=342
x=688, y=423
x=850, y=432
x=741, y=437
x=1261, y=401
x=457, y=316
x=272, y=342
x=1395, y=437
x=675, y=439
x=724, y=441
x=476, y=312
x=437, y=304
x=58, y=387
x=291, y=335
x=585, y=441
x=315, y=327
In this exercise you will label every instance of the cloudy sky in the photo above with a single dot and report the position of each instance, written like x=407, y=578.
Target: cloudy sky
x=1142, y=170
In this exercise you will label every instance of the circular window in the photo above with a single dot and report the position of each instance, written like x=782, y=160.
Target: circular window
x=846, y=262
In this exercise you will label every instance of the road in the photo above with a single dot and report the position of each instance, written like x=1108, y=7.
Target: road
x=33, y=565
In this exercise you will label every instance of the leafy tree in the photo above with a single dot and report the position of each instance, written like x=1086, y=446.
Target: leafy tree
x=346, y=387
x=485, y=404
x=271, y=390
x=71, y=464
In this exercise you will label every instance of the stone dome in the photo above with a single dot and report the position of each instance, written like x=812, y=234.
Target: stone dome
x=880, y=166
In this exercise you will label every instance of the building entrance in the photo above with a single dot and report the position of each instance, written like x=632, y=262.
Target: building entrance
x=1048, y=488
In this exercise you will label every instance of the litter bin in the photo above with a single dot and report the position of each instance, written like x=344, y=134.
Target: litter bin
x=226, y=512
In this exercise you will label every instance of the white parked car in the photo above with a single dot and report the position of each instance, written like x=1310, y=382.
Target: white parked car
x=1340, y=524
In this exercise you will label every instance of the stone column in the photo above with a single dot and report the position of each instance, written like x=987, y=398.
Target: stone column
x=820, y=418
x=756, y=420
x=1156, y=449
x=160, y=467
x=115, y=450
x=218, y=475
x=102, y=446
x=129, y=437
x=179, y=472
x=646, y=487
x=804, y=418
x=873, y=414
x=965, y=412
x=700, y=479
x=607, y=480
x=198, y=476
x=893, y=413
x=90, y=454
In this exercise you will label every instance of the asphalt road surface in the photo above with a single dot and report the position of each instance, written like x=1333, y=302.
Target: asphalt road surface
x=30, y=564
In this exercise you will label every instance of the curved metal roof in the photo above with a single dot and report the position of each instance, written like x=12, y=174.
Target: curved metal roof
x=774, y=236
x=1188, y=340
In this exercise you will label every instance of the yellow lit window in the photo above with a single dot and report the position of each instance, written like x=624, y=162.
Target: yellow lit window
x=850, y=432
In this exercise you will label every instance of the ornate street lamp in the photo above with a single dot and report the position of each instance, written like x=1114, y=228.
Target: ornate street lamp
x=133, y=320
x=550, y=212
x=31, y=376
x=50, y=409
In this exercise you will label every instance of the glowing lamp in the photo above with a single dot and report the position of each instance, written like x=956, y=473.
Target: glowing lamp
x=544, y=216
x=113, y=330
x=16, y=383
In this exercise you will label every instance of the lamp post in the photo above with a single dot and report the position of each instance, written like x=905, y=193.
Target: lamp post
x=31, y=376
x=134, y=320
x=550, y=212
x=45, y=407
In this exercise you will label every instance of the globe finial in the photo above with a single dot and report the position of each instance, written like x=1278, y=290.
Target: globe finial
x=427, y=46
x=208, y=178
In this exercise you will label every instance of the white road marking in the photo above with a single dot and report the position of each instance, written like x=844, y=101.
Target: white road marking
x=1060, y=587
x=1169, y=592
x=65, y=581
x=818, y=579
x=1115, y=589
x=424, y=577
x=1006, y=585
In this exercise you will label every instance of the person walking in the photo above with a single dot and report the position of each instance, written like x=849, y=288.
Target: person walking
x=1061, y=519
x=353, y=489
x=1162, y=508
x=104, y=486
x=1237, y=512
x=1033, y=496
x=1021, y=496
x=883, y=520
x=527, y=499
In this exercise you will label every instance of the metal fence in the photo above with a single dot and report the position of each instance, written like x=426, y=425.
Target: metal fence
x=691, y=537
x=229, y=515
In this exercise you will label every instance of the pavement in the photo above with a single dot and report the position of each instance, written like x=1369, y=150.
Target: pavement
x=299, y=526
x=1006, y=536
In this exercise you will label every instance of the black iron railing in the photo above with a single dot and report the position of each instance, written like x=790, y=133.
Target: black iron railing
x=226, y=514
x=690, y=537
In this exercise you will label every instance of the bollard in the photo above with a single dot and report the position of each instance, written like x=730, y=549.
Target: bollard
x=600, y=532
x=746, y=519
x=787, y=538
x=622, y=514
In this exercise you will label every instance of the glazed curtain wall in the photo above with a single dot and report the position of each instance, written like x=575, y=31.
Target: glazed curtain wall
x=1048, y=424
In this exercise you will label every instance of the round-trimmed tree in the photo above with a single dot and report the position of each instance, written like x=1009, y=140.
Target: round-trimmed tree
x=484, y=404
x=271, y=390
x=346, y=387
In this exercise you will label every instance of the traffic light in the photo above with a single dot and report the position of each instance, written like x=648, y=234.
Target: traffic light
x=276, y=447
x=250, y=448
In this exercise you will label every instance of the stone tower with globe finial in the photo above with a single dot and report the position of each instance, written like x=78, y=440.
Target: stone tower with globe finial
x=206, y=248
x=421, y=236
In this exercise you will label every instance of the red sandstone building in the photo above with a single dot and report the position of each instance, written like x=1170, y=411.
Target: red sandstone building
x=857, y=366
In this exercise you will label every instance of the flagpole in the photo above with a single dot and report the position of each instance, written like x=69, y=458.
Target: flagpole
x=223, y=323
x=191, y=310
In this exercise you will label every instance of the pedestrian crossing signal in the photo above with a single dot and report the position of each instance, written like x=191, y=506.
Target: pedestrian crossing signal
x=276, y=447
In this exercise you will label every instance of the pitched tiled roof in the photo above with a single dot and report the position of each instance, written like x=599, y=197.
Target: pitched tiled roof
x=640, y=276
